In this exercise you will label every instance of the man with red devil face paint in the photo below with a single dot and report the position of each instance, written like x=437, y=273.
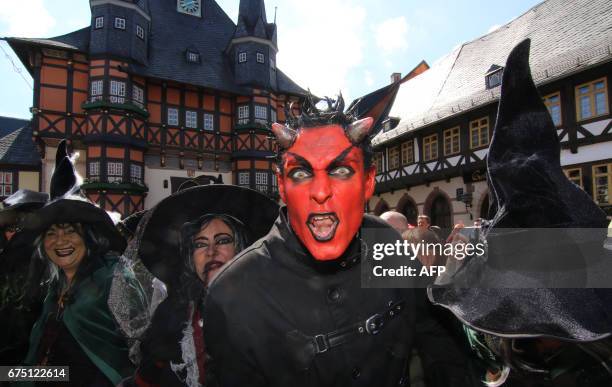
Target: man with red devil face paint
x=290, y=310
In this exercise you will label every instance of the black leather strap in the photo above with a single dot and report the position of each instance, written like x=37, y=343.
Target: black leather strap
x=370, y=326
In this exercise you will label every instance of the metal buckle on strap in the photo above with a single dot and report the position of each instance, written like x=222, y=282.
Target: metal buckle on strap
x=374, y=324
x=321, y=344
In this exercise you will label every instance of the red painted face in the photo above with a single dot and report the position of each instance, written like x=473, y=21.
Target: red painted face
x=325, y=188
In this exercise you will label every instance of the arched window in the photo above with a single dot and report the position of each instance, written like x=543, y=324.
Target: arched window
x=410, y=211
x=441, y=213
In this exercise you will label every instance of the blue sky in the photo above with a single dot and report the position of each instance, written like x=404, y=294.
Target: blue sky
x=324, y=45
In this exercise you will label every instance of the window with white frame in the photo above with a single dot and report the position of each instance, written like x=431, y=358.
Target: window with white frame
x=99, y=23
x=173, y=118
x=243, y=178
x=94, y=171
x=140, y=31
x=191, y=119
x=261, y=114
x=6, y=183
x=209, y=121
x=260, y=57
x=114, y=172
x=193, y=57
x=117, y=92
x=136, y=173
x=138, y=95
x=242, y=57
x=273, y=116
x=261, y=181
x=243, y=114
x=120, y=23
x=96, y=90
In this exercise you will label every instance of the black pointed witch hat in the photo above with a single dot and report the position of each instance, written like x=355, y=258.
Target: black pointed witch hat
x=545, y=239
x=67, y=206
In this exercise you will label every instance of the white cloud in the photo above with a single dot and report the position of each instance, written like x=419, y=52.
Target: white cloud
x=369, y=80
x=391, y=34
x=32, y=20
x=318, y=49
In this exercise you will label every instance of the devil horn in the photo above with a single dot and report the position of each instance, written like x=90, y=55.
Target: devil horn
x=285, y=136
x=359, y=130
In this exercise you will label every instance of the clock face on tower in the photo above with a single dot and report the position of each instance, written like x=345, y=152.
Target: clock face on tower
x=189, y=7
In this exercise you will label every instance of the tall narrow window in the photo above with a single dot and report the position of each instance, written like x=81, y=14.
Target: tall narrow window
x=140, y=31
x=273, y=116
x=138, y=96
x=553, y=104
x=117, y=92
x=191, y=119
x=173, y=117
x=242, y=57
x=592, y=99
x=394, y=157
x=120, y=23
x=6, y=184
x=243, y=114
x=209, y=121
x=96, y=90
x=451, y=141
x=602, y=179
x=261, y=181
x=243, y=178
x=114, y=172
x=99, y=23
x=94, y=171
x=261, y=114
x=407, y=153
x=479, y=132
x=136, y=173
x=378, y=162
x=430, y=147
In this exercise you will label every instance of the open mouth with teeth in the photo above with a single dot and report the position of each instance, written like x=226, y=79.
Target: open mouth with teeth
x=323, y=226
x=64, y=252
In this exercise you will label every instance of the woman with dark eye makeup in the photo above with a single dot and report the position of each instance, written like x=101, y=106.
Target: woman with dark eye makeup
x=185, y=240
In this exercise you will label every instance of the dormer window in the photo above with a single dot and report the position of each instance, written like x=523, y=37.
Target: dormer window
x=120, y=23
x=242, y=57
x=140, y=31
x=193, y=56
x=260, y=58
x=99, y=23
x=493, y=78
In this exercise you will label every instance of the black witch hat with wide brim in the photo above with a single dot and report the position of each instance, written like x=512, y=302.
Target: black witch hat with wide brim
x=159, y=247
x=23, y=200
x=532, y=198
x=67, y=206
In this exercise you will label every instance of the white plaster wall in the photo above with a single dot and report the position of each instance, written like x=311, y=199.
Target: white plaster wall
x=154, y=178
x=587, y=153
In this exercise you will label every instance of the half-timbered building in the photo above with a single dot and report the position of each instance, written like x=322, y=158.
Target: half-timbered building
x=19, y=160
x=153, y=93
x=431, y=160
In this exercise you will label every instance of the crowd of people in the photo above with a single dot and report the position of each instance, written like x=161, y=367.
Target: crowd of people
x=220, y=286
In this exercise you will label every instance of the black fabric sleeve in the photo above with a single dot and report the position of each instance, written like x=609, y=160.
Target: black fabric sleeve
x=439, y=342
x=231, y=360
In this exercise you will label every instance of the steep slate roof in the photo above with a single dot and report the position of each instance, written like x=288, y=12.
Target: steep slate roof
x=16, y=145
x=566, y=36
x=172, y=33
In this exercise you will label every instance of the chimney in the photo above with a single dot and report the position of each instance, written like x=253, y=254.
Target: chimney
x=396, y=77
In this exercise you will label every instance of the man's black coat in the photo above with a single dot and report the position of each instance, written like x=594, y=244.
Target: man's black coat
x=265, y=305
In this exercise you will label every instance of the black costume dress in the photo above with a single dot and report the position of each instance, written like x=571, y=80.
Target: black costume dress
x=265, y=308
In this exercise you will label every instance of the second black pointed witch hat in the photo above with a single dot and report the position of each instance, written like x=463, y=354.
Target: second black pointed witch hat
x=545, y=239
